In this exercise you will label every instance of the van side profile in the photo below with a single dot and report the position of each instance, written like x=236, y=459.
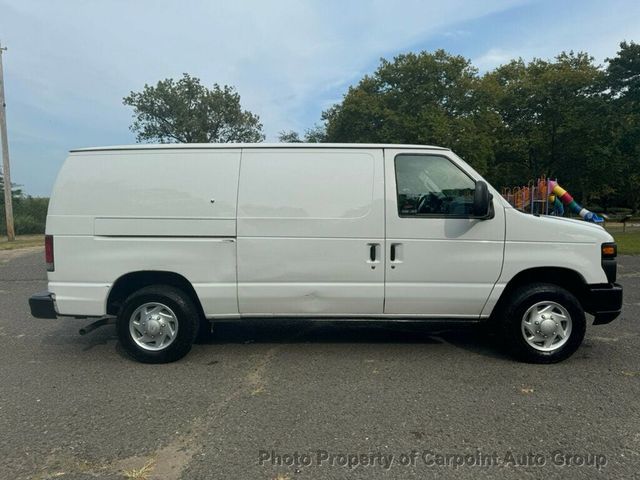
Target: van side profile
x=170, y=237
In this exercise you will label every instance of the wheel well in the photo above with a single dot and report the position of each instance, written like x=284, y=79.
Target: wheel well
x=563, y=277
x=131, y=282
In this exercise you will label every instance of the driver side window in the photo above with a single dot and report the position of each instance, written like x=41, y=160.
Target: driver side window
x=431, y=185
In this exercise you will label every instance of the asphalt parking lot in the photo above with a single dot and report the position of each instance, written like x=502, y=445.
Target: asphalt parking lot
x=331, y=400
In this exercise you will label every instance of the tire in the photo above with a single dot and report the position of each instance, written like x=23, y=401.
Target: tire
x=158, y=324
x=560, y=329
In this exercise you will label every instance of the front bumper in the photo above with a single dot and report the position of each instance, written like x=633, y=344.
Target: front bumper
x=604, y=302
x=42, y=305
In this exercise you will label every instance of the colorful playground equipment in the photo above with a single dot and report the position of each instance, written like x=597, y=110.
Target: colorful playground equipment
x=558, y=208
x=571, y=204
x=545, y=197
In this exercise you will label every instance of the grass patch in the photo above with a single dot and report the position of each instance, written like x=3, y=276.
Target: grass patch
x=139, y=473
x=629, y=239
x=22, y=241
x=628, y=242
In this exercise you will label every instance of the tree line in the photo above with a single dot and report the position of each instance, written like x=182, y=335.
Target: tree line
x=567, y=118
x=29, y=212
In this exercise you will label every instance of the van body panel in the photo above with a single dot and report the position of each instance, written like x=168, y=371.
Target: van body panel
x=117, y=212
x=164, y=227
x=444, y=266
x=307, y=220
x=311, y=193
x=80, y=298
x=69, y=224
x=156, y=187
x=552, y=242
x=82, y=280
x=296, y=230
x=309, y=275
x=541, y=242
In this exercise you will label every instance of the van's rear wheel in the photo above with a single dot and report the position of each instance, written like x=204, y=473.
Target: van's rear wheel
x=542, y=323
x=158, y=324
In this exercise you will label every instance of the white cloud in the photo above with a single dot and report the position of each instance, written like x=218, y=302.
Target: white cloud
x=71, y=62
x=584, y=26
x=276, y=53
x=493, y=58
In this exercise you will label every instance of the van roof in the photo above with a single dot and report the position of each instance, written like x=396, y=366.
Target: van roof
x=207, y=146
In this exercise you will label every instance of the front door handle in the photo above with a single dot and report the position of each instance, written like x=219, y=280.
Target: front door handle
x=395, y=253
x=374, y=253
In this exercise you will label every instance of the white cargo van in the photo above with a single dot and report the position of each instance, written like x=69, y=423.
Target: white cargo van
x=169, y=237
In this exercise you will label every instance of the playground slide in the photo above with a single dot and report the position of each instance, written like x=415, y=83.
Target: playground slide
x=558, y=208
x=572, y=205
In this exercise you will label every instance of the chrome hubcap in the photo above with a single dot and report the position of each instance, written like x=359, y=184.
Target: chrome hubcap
x=153, y=326
x=546, y=326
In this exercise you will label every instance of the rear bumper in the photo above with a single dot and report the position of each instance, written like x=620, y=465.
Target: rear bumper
x=604, y=302
x=42, y=305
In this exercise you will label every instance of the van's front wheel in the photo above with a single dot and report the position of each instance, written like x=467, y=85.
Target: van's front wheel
x=542, y=323
x=158, y=324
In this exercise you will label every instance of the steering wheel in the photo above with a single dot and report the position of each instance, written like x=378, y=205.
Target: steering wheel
x=421, y=203
x=428, y=203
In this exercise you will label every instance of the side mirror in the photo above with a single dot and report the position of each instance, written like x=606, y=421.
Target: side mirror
x=481, y=201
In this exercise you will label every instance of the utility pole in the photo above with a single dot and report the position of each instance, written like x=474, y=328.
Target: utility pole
x=8, y=205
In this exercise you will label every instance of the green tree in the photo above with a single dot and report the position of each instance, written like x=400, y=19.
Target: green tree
x=424, y=98
x=311, y=135
x=289, y=136
x=623, y=74
x=16, y=192
x=317, y=134
x=553, y=121
x=567, y=117
x=185, y=111
x=623, y=82
x=29, y=213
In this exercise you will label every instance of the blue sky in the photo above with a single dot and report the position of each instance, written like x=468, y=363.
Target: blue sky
x=70, y=62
